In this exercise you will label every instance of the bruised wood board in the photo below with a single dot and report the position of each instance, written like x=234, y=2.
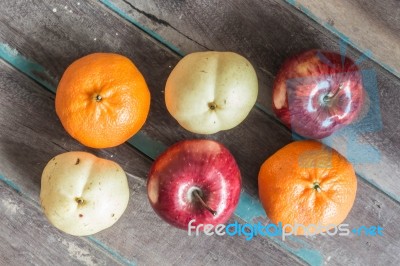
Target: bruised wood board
x=255, y=29
x=27, y=238
x=31, y=135
x=370, y=25
x=299, y=243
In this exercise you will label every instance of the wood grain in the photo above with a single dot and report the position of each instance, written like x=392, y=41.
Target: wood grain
x=155, y=62
x=27, y=238
x=256, y=30
x=32, y=134
x=57, y=33
x=371, y=25
x=371, y=206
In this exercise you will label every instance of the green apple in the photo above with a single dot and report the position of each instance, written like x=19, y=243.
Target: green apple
x=82, y=194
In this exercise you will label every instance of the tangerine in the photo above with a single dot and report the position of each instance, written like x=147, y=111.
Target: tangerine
x=307, y=183
x=102, y=100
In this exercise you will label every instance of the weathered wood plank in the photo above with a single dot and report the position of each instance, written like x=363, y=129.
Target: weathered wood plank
x=31, y=135
x=27, y=238
x=363, y=22
x=372, y=174
x=373, y=210
x=376, y=209
x=155, y=62
x=256, y=30
x=158, y=129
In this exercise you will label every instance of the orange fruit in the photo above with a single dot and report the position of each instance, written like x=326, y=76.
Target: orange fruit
x=307, y=183
x=102, y=100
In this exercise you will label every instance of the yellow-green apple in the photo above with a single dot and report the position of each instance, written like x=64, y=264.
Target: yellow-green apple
x=318, y=92
x=194, y=180
x=82, y=194
x=208, y=92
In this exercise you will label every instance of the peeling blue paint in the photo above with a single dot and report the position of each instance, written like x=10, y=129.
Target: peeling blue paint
x=312, y=257
x=10, y=184
x=28, y=67
x=292, y=2
x=249, y=208
x=146, y=145
x=111, y=251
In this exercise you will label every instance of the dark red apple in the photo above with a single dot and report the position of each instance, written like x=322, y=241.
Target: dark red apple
x=318, y=92
x=194, y=179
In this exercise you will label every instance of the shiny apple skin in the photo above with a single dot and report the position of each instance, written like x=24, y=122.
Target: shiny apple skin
x=203, y=164
x=301, y=85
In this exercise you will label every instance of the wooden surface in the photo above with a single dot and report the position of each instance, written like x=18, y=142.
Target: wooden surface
x=183, y=27
x=26, y=236
x=41, y=38
x=27, y=144
x=370, y=25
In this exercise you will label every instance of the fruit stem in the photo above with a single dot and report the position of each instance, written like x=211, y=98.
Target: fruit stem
x=329, y=97
x=316, y=187
x=212, y=106
x=79, y=200
x=98, y=98
x=196, y=194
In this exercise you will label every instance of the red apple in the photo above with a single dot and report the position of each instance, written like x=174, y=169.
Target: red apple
x=317, y=92
x=194, y=179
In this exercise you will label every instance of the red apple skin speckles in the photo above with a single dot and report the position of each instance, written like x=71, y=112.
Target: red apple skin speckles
x=301, y=85
x=203, y=164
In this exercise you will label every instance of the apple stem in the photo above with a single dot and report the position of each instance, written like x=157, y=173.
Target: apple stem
x=196, y=194
x=329, y=97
